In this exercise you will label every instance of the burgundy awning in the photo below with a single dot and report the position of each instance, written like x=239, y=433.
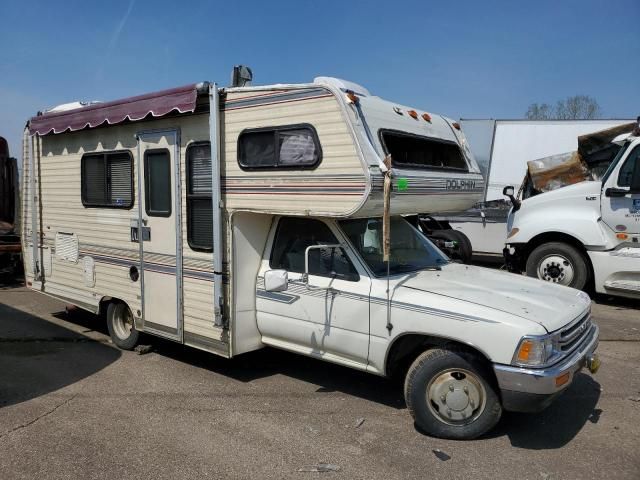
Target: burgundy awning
x=181, y=99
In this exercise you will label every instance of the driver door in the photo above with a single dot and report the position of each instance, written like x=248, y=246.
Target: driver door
x=329, y=316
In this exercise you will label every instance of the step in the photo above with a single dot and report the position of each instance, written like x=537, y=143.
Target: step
x=624, y=285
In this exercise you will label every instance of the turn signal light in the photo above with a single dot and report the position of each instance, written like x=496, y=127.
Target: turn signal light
x=525, y=350
x=513, y=231
x=562, y=379
x=353, y=98
x=413, y=114
x=456, y=125
x=622, y=236
x=426, y=117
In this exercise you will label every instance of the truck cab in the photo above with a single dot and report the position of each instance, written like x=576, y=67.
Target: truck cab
x=586, y=233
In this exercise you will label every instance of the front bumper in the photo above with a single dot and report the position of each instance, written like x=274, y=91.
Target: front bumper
x=531, y=389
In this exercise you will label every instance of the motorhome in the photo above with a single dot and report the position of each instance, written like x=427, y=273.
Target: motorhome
x=10, y=261
x=585, y=234
x=230, y=219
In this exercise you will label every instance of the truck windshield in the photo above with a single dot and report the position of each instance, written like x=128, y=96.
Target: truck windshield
x=410, y=250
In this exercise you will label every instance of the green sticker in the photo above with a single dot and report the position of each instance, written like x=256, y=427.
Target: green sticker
x=402, y=184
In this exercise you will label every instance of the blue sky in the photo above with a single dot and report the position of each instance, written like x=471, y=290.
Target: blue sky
x=461, y=58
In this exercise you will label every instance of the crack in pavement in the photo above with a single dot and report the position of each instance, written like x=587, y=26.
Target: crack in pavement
x=45, y=414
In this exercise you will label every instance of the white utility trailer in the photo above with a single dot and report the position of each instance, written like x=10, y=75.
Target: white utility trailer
x=230, y=219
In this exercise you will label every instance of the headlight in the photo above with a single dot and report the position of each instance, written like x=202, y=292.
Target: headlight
x=537, y=351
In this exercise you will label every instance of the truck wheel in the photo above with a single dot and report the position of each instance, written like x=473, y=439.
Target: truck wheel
x=559, y=262
x=449, y=395
x=464, y=250
x=121, y=327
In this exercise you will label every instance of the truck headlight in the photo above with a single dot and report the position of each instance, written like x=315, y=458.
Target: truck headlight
x=537, y=351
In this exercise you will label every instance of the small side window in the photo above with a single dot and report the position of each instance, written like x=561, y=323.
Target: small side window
x=107, y=180
x=294, y=235
x=199, y=203
x=626, y=171
x=157, y=183
x=286, y=147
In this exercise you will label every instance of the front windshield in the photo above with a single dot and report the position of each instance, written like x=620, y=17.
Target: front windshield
x=614, y=162
x=410, y=249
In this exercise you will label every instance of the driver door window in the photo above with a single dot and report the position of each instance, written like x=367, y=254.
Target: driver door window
x=294, y=235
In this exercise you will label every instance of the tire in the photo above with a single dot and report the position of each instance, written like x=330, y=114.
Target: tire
x=464, y=251
x=120, y=325
x=559, y=262
x=434, y=390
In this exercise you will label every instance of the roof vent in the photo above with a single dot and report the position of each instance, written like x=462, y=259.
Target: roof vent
x=71, y=106
x=241, y=76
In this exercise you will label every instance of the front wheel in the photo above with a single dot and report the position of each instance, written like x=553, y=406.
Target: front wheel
x=121, y=327
x=559, y=262
x=449, y=395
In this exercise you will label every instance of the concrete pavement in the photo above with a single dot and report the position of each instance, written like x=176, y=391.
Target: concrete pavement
x=73, y=406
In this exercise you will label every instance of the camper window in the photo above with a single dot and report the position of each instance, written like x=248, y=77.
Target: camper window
x=107, y=180
x=157, y=183
x=414, y=151
x=292, y=146
x=199, y=205
x=293, y=237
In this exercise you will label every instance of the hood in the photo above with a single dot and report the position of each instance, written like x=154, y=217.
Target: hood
x=570, y=191
x=552, y=306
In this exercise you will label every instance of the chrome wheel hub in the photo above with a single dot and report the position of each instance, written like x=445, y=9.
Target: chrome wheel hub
x=456, y=396
x=556, y=269
x=122, y=322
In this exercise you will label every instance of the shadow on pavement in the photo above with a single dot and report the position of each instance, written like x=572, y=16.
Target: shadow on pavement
x=557, y=425
x=38, y=357
x=616, y=302
x=267, y=362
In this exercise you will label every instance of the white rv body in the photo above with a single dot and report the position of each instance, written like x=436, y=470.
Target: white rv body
x=194, y=214
x=502, y=149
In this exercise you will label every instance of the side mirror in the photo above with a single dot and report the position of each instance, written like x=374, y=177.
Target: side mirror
x=305, y=277
x=276, y=280
x=509, y=191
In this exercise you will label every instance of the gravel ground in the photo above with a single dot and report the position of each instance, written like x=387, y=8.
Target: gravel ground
x=73, y=406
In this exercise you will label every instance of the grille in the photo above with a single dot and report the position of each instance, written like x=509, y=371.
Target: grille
x=573, y=335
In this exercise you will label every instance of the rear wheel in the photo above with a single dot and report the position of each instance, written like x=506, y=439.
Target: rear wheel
x=559, y=262
x=121, y=326
x=450, y=394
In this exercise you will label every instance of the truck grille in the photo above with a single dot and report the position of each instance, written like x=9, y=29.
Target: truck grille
x=573, y=335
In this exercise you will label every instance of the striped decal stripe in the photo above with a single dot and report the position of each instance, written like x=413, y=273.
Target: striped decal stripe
x=297, y=290
x=278, y=97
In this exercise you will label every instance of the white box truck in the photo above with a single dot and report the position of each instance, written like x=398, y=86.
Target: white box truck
x=502, y=149
x=586, y=233
x=230, y=219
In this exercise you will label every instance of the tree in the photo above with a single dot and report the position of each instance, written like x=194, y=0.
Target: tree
x=577, y=107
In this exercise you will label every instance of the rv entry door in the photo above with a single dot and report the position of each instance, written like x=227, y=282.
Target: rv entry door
x=157, y=230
